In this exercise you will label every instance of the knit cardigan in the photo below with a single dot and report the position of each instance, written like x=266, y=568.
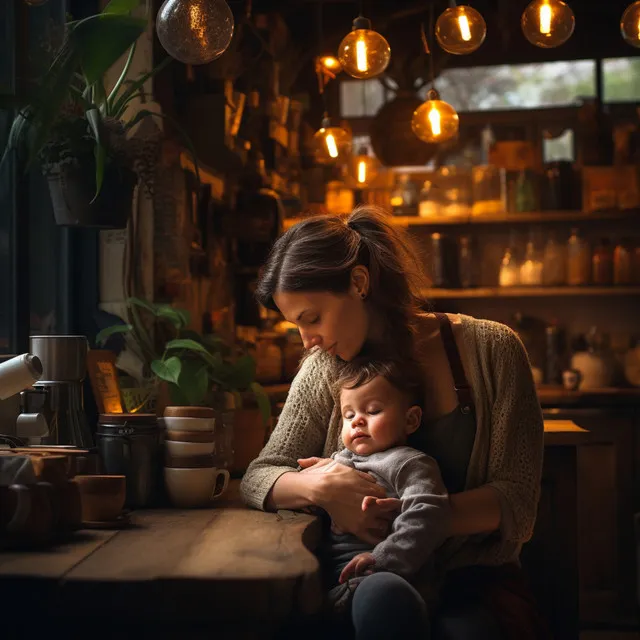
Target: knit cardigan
x=507, y=452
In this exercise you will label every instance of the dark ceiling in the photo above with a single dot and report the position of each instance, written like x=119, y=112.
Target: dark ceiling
x=597, y=31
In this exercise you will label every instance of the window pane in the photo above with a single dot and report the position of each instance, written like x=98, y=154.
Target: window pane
x=361, y=98
x=523, y=86
x=7, y=298
x=621, y=79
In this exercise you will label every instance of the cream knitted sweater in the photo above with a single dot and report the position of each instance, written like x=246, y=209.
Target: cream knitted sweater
x=507, y=453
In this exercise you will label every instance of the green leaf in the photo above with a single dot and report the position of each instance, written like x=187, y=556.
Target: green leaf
x=175, y=316
x=177, y=396
x=94, y=118
x=262, y=399
x=194, y=382
x=121, y=7
x=121, y=79
x=213, y=360
x=139, y=302
x=105, y=334
x=136, y=85
x=100, y=41
x=168, y=370
x=243, y=372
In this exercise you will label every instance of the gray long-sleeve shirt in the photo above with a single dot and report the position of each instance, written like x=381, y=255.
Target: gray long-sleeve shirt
x=425, y=518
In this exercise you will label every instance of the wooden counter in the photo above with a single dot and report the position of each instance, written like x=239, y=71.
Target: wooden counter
x=229, y=569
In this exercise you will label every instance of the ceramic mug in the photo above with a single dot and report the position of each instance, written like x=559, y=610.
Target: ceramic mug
x=189, y=424
x=181, y=448
x=189, y=488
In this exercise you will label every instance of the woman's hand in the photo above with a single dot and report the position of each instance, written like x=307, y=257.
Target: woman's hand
x=353, y=499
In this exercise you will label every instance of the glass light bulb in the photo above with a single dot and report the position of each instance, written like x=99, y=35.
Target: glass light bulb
x=363, y=168
x=630, y=24
x=331, y=144
x=364, y=53
x=460, y=30
x=195, y=31
x=547, y=23
x=435, y=121
x=331, y=63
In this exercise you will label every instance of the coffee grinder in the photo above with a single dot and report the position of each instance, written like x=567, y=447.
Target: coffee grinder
x=57, y=398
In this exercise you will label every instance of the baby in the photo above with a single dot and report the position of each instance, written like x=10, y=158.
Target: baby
x=378, y=402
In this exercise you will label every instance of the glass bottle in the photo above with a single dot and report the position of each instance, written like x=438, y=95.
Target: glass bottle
x=404, y=197
x=602, y=263
x=578, y=260
x=531, y=267
x=554, y=263
x=509, y=275
x=622, y=263
x=465, y=262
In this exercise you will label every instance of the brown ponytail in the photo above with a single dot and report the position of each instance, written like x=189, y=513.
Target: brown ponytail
x=319, y=254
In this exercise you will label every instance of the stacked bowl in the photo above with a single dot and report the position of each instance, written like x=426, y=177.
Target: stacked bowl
x=190, y=475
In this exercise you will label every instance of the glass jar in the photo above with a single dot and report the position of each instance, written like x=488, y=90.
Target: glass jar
x=430, y=205
x=455, y=185
x=602, y=263
x=404, y=197
x=489, y=190
x=531, y=267
x=578, y=260
x=509, y=275
x=554, y=263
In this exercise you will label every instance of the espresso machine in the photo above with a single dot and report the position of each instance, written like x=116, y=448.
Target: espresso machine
x=54, y=405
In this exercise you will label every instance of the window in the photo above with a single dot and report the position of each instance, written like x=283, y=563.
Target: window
x=524, y=86
x=621, y=79
x=360, y=98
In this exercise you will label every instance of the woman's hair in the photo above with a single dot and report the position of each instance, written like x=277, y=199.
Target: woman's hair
x=405, y=376
x=319, y=254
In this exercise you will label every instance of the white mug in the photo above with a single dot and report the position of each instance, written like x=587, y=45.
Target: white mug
x=189, y=488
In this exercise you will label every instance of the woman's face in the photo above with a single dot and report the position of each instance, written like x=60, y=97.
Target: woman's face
x=337, y=323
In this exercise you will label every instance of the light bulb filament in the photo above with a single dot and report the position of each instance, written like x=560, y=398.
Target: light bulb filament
x=435, y=121
x=362, y=171
x=332, y=147
x=545, y=19
x=638, y=26
x=465, y=31
x=361, y=55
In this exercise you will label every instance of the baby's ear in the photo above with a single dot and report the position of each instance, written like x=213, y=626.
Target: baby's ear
x=414, y=417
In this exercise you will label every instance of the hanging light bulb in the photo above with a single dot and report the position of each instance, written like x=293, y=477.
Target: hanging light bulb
x=460, y=29
x=195, y=31
x=364, y=53
x=363, y=168
x=547, y=23
x=630, y=24
x=329, y=63
x=331, y=144
x=435, y=120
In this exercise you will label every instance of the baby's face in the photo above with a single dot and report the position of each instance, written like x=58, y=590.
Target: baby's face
x=375, y=417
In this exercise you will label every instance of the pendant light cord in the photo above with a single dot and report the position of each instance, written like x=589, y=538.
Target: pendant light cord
x=321, y=80
x=432, y=72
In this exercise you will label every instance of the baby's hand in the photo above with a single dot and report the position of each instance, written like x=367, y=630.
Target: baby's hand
x=357, y=567
x=385, y=504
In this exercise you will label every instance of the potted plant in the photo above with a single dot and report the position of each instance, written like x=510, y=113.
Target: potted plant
x=78, y=131
x=200, y=371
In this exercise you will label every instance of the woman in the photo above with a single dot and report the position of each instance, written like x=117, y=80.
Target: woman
x=349, y=285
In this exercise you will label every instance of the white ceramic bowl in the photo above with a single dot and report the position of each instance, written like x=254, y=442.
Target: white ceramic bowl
x=190, y=424
x=179, y=448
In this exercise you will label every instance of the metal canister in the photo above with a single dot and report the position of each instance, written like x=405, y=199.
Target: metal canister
x=129, y=445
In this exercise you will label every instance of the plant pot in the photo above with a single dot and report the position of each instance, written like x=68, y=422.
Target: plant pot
x=73, y=188
x=249, y=437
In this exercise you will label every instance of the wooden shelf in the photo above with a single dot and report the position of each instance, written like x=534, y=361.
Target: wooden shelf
x=538, y=217
x=528, y=292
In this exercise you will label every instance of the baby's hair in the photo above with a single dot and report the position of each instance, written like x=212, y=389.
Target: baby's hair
x=404, y=376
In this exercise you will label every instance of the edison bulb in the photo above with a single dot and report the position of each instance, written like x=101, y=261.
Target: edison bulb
x=195, y=31
x=435, y=120
x=630, y=24
x=460, y=30
x=363, y=168
x=331, y=144
x=548, y=23
x=330, y=63
x=364, y=53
